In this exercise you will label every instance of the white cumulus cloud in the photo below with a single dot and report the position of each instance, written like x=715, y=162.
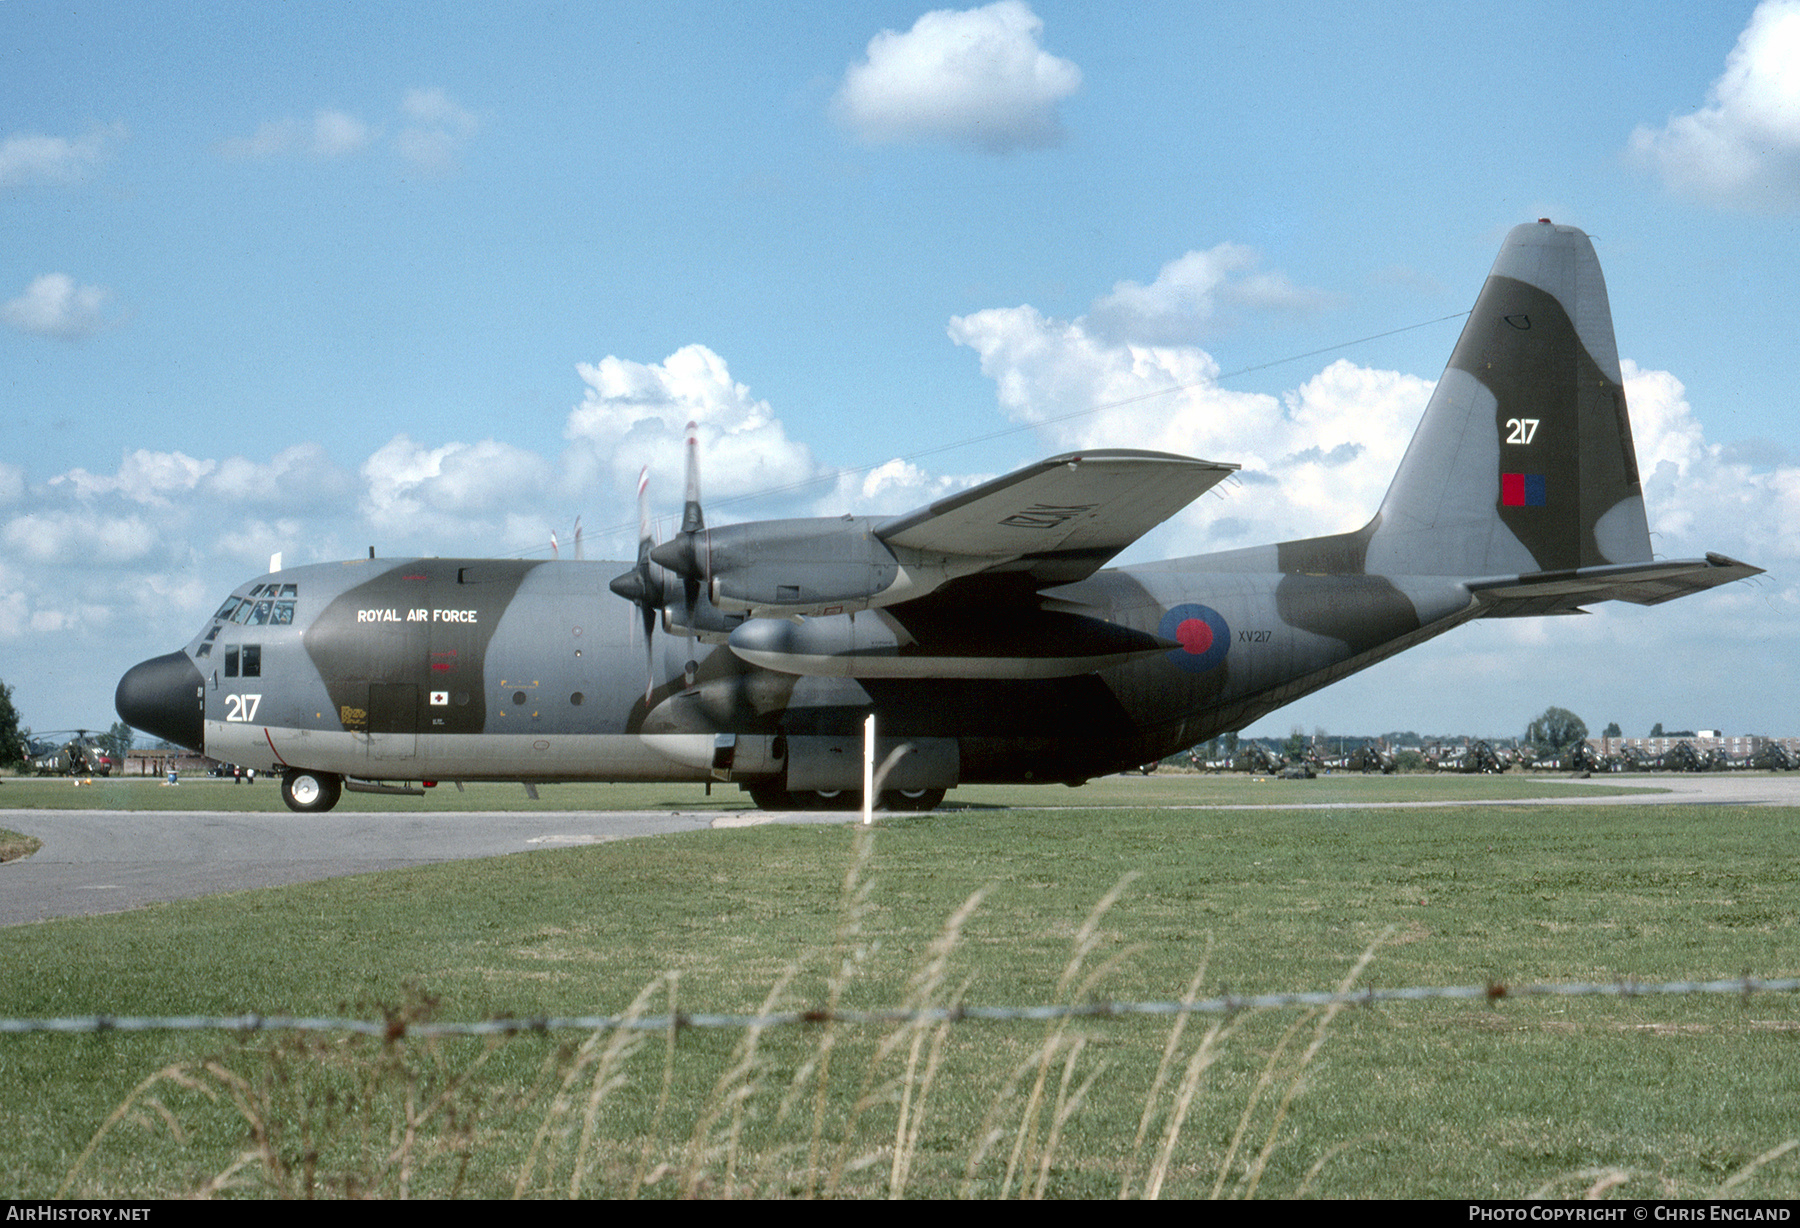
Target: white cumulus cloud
x=299, y=477
x=433, y=130
x=1699, y=497
x=54, y=305
x=1315, y=460
x=975, y=77
x=1186, y=297
x=32, y=158
x=330, y=134
x=636, y=414
x=458, y=492
x=436, y=130
x=1743, y=148
x=75, y=536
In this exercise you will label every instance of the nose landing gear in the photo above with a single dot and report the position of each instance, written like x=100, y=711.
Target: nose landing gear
x=311, y=792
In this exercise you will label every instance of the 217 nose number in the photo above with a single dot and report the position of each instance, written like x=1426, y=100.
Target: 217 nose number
x=241, y=707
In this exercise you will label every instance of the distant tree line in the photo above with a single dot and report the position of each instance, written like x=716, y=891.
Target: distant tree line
x=12, y=742
x=1555, y=731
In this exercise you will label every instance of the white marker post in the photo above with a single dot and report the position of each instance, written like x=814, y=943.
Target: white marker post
x=869, y=769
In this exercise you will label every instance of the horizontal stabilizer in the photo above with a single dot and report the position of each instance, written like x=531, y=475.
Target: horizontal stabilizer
x=1063, y=518
x=1565, y=592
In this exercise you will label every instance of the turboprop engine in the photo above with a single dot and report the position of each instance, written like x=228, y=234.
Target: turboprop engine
x=813, y=567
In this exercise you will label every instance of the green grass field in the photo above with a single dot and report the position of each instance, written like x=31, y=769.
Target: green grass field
x=1162, y=789
x=1683, y=1097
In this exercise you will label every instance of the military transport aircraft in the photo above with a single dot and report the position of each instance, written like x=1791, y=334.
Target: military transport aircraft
x=981, y=630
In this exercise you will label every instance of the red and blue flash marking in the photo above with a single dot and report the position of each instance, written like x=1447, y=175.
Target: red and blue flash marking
x=1202, y=634
x=1523, y=490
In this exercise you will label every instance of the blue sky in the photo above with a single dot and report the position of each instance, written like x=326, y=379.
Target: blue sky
x=439, y=278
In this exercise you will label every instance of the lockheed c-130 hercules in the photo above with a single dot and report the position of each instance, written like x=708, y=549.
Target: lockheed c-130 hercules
x=981, y=631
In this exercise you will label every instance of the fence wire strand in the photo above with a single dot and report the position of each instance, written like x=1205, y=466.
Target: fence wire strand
x=1227, y=1004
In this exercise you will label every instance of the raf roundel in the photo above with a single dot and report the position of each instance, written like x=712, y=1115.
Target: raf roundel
x=1202, y=634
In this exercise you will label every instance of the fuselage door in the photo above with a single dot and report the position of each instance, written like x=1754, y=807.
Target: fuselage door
x=393, y=720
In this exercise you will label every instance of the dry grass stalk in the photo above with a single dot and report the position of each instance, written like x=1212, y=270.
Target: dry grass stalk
x=1749, y=1170
x=1024, y=1153
x=608, y=1076
x=177, y=1073
x=642, y=1172
x=1312, y=1051
x=731, y=1097
x=848, y=955
x=1205, y=1054
x=922, y=994
x=1066, y=1106
x=1171, y=1047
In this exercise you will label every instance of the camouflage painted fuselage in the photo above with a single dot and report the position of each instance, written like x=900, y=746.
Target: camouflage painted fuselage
x=481, y=669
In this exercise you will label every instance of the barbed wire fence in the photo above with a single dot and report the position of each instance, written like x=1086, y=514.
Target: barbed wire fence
x=1227, y=1004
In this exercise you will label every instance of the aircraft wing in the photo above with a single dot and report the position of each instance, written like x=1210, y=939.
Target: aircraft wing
x=1565, y=592
x=1062, y=518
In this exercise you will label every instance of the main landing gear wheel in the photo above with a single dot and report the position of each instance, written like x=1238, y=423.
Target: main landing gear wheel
x=311, y=792
x=917, y=800
x=772, y=797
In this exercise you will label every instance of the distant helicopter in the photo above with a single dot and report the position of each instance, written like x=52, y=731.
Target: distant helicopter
x=81, y=755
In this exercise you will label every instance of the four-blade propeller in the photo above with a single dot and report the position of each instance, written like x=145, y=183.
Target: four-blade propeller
x=683, y=555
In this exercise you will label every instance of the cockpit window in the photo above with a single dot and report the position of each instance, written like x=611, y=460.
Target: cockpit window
x=260, y=607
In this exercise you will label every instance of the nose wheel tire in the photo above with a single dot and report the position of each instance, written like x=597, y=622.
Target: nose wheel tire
x=311, y=792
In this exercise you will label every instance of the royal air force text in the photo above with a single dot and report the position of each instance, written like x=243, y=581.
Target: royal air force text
x=418, y=616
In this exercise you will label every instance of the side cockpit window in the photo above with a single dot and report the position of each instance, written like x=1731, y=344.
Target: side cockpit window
x=243, y=660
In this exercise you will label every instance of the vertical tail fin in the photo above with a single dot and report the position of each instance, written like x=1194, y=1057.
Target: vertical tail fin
x=1523, y=462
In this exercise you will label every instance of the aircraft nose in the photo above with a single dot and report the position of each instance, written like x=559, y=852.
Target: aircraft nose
x=163, y=696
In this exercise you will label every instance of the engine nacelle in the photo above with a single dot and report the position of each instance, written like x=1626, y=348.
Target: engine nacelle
x=797, y=566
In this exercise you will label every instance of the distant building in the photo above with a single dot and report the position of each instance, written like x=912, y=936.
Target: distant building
x=1740, y=747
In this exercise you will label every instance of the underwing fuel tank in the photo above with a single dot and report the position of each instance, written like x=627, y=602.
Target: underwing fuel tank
x=1023, y=645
